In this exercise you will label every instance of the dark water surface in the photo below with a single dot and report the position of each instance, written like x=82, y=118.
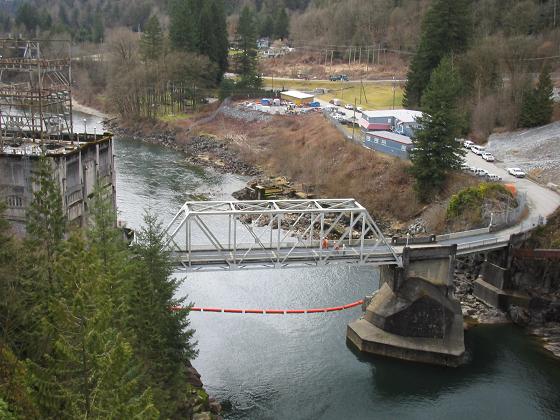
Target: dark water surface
x=300, y=366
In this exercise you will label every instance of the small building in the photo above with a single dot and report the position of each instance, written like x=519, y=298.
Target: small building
x=406, y=121
x=402, y=121
x=263, y=43
x=297, y=97
x=388, y=142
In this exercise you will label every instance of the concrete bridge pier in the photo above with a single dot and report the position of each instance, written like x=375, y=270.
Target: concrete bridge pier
x=414, y=315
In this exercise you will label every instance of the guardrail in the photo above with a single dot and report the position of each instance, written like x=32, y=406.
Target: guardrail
x=484, y=243
x=463, y=234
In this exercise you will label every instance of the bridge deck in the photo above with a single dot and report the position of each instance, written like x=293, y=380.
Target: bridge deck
x=211, y=236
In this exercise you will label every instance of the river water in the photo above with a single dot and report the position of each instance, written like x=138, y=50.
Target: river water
x=299, y=366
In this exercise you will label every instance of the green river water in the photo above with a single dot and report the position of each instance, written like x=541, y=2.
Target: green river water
x=300, y=366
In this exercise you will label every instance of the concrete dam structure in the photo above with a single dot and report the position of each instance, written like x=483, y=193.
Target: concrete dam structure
x=414, y=315
x=77, y=167
x=36, y=120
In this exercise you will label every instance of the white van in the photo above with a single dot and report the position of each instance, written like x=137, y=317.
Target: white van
x=478, y=150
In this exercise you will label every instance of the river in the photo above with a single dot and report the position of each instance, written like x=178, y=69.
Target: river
x=299, y=366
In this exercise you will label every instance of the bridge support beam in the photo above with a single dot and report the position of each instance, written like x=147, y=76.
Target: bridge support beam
x=414, y=315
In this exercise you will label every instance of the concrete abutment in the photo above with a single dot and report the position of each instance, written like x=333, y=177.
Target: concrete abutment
x=414, y=316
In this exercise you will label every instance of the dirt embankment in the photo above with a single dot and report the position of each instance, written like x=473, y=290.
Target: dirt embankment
x=309, y=151
x=305, y=149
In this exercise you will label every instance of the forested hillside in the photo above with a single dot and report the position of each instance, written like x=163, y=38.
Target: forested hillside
x=499, y=46
x=86, y=329
x=316, y=22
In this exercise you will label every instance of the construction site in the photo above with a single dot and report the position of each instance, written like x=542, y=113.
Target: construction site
x=36, y=120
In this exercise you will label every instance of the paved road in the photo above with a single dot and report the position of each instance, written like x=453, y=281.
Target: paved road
x=542, y=200
x=365, y=82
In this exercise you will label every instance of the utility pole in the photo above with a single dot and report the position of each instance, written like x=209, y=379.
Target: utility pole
x=361, y=84
x=354, y=120
x=394, y=91
x=555, y=3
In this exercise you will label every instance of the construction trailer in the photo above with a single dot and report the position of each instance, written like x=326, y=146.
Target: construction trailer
x=388, y=142
x=36, y=120
x=297, y=97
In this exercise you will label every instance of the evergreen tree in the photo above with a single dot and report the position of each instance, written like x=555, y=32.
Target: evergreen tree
x=445, y=30
x=183, y=25
x=221, y=47
x=537, y=105
x=247, y=61
x=28, y=16
x=267, y=26
x=281, y=24
x=545, y=90
x=5, y=412
x=91, y=371
x=151, y=42
x=46, y=226
x=13, y=386
x=109, y=247
x=435, y=151
x=12, y=303
x=529, y=114
x=200, y=26
x=207, y=33
x=98, y=30
x=164, y=340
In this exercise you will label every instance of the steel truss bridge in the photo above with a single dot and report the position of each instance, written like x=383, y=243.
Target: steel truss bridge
x=256, y=234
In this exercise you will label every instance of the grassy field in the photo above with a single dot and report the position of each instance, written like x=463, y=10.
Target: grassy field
x=372, y=96
x=175, y=117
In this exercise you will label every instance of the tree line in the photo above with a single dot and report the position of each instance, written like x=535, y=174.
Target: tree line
x=86, y=329
x=451, y=80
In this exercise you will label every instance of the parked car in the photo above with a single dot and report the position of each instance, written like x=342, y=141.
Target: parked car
x=481, y=172
x=494, y=177
x=360, y=109
x=467, y=144
x=336, y=77
x=488, y=157
x=516, y=172
x=477, y=150
x=465, y=167
x=349, y=106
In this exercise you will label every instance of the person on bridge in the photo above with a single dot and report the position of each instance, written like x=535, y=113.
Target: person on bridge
x=325, y=244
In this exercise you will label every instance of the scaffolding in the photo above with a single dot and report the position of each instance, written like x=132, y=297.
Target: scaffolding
x=35, y=91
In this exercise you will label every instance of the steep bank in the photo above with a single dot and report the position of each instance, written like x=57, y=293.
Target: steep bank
x=531, y=279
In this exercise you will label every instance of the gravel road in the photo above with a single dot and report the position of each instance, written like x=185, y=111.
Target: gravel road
x=542, y=200
x=536, y=150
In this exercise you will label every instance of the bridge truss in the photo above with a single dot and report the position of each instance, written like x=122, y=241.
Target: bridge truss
x=226, y=235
